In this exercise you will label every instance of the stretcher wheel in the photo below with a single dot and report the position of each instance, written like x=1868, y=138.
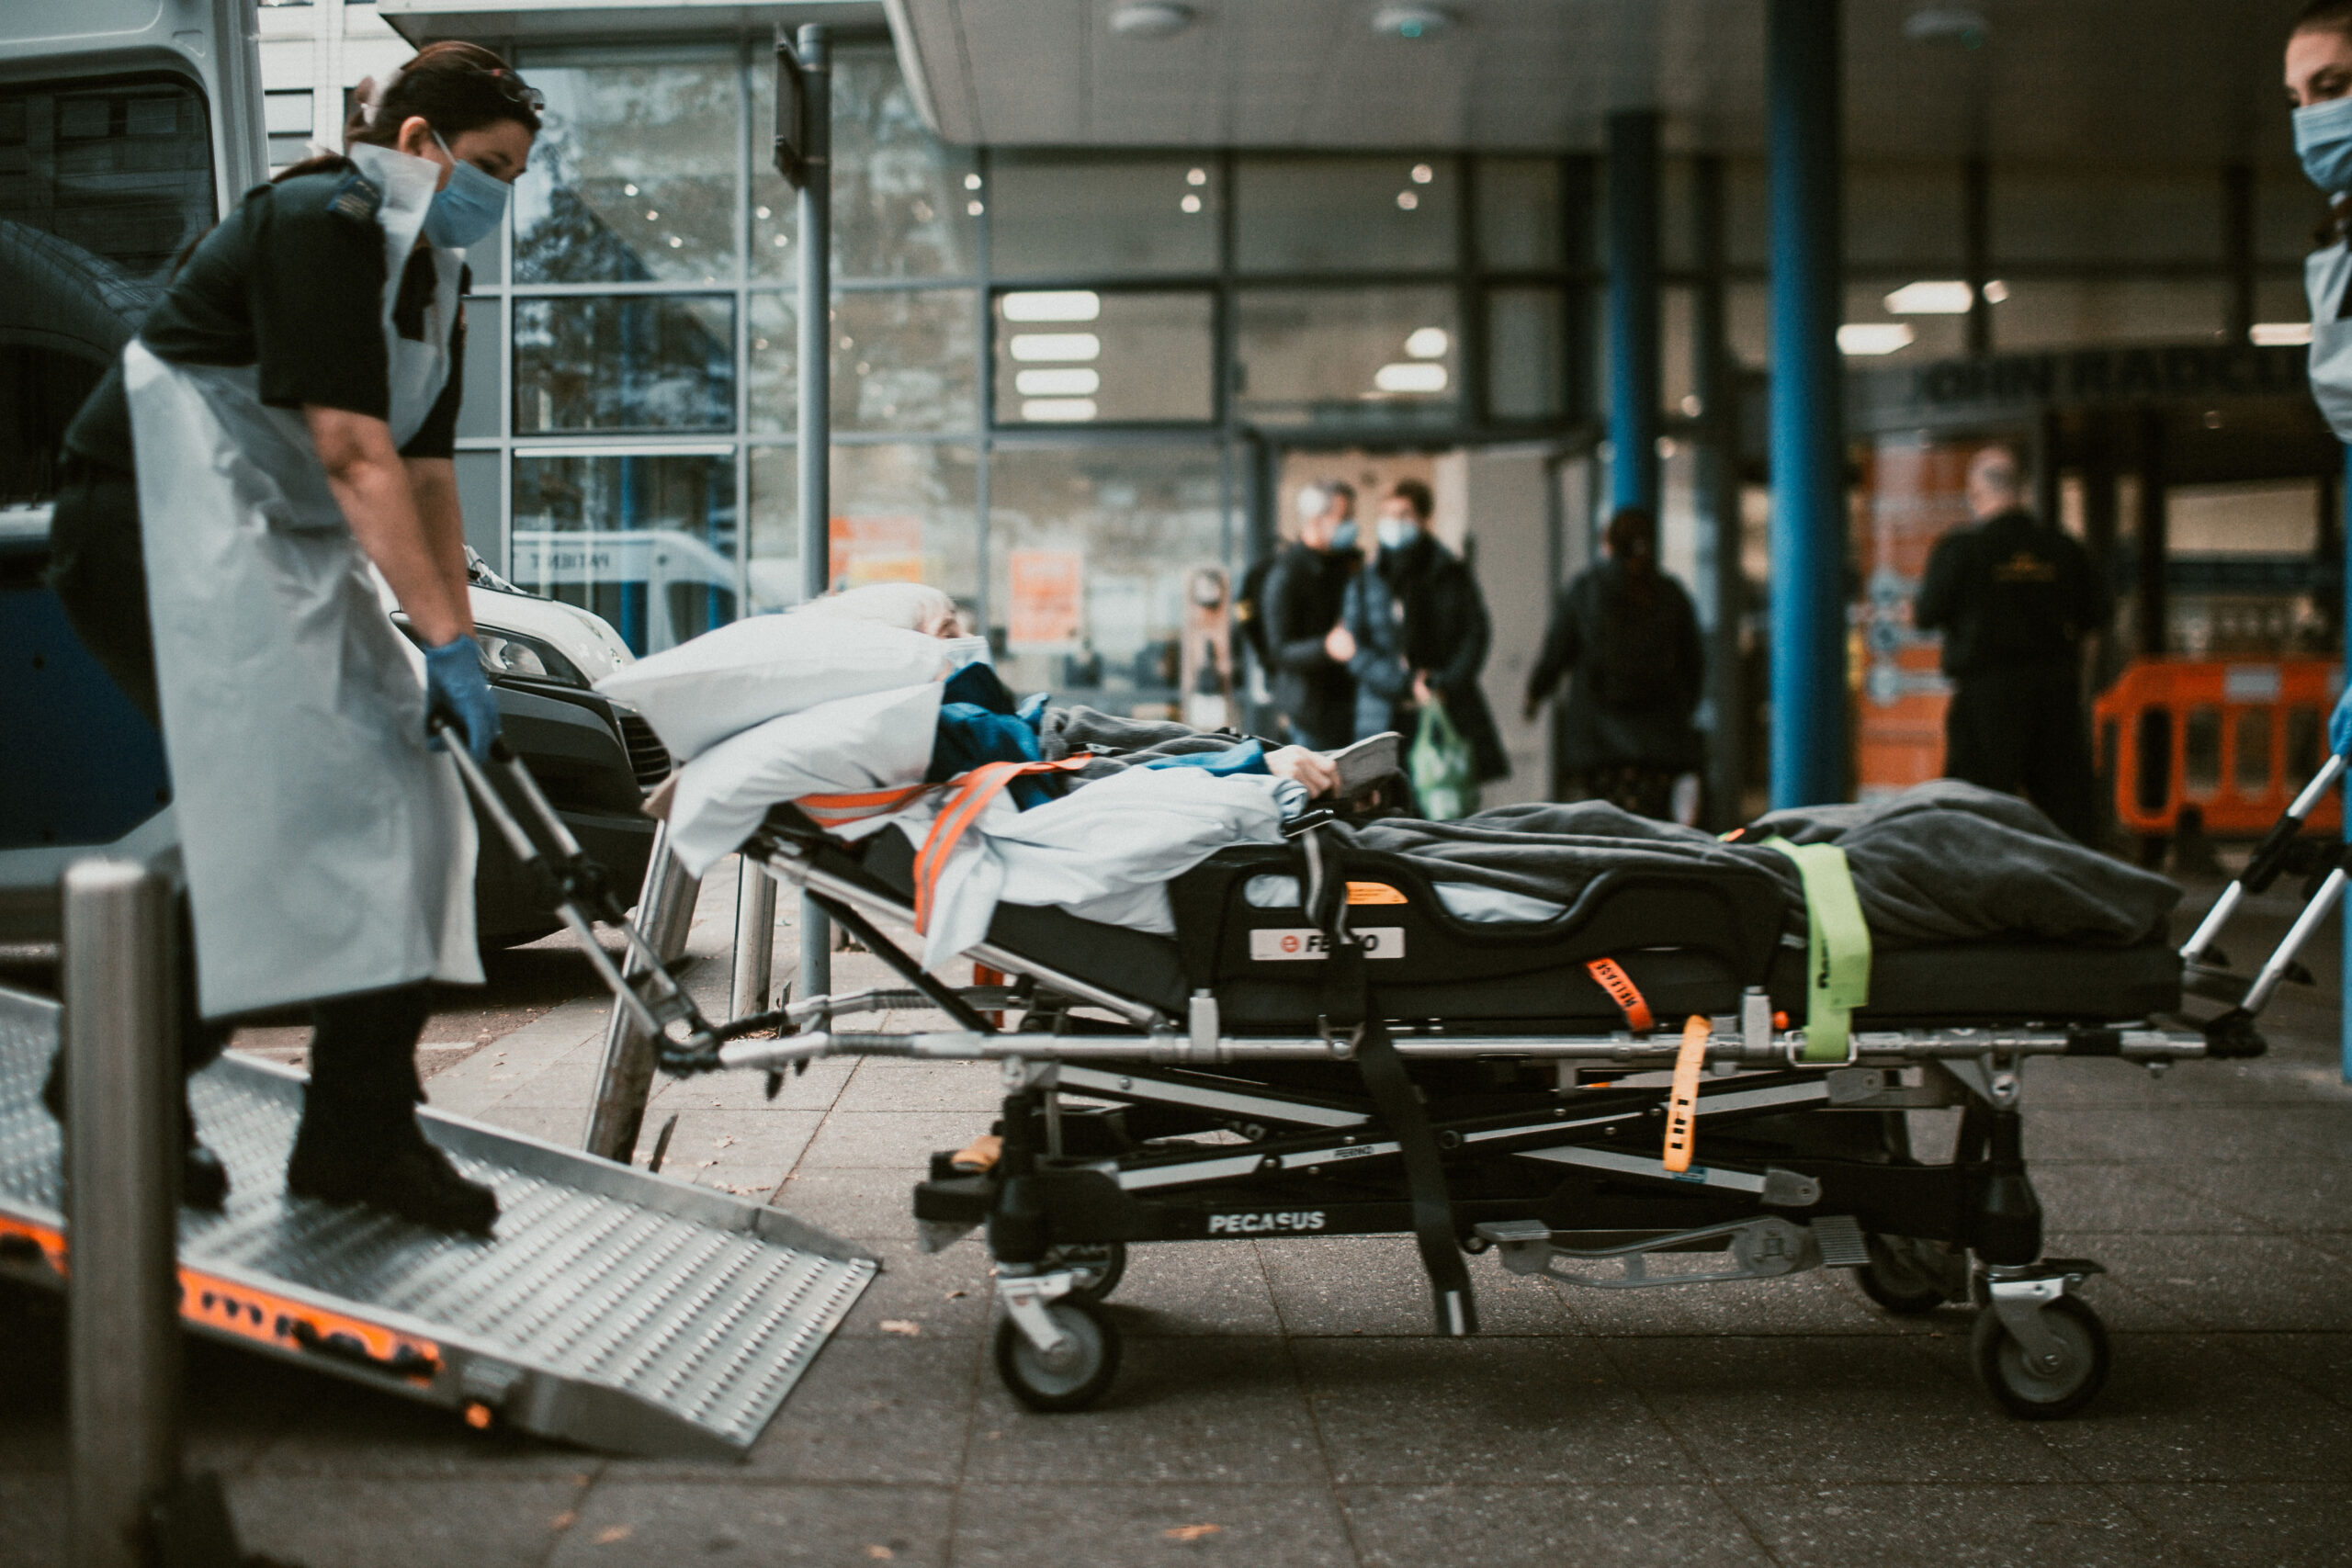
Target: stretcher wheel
x=1078, y=1380
x=1099, y=1267
x=2044, y=1393
x=1905, y=1275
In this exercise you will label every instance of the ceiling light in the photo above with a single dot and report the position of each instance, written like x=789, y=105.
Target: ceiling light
x=2280, y=334
x=1052, y=305
x=1960, y=25
x=1428, y=342
x=1411, y=22
x=1067, y=381
x=1941, y=299
x=1149, y=18
x=973, y=210
x=1874, y=337
x=1029, y=347
x=1423, y=173
x=1191, y=203
x=1058, y=411
x=1995, y=291
x=1196, y=176
x=1407, y=200
x=1422, y=377
x=971, y=182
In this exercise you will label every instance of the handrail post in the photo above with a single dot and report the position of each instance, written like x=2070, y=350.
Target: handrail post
x=665, y=911
x=814, y=52
x=754, y=980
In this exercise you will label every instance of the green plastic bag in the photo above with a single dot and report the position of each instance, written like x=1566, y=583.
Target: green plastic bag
x=1444, y=777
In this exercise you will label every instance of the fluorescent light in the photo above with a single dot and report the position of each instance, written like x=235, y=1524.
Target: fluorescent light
x=2280, y=334
x=1874, y=337
x=1073, y=382
x=1032, y=347
x=1932, y=299
x=1150, y=19
x=1053, y=305
x=1428, y=342
x=1421, y=377
x=1058, y=411
x=1995, y=291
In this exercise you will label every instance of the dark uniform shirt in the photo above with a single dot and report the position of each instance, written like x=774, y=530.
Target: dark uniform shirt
x=2009, y=593
x=292, y=282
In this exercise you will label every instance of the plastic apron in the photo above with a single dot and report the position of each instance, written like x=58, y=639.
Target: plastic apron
x=2325, y=273
x=327, y=851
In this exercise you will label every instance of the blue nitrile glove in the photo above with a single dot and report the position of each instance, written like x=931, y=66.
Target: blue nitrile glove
x=456, y=688
x=2339, y=723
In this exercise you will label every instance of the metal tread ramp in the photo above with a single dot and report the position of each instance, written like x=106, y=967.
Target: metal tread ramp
x=613, y=1308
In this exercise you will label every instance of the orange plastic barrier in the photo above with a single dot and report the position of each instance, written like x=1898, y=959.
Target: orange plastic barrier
x=2236, y=738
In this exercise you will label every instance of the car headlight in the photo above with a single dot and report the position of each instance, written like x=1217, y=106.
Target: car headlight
x=512, y=653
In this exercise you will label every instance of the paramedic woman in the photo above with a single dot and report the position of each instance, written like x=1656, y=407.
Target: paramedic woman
x=2319, y=91
x=283, y=420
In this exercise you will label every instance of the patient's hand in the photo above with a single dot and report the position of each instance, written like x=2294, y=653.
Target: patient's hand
x=1313, y=768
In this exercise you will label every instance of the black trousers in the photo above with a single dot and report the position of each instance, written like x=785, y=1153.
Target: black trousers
x=2023, y=729
x=99, y=572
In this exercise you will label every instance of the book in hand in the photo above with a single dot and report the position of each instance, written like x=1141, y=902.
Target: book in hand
x=1368, y=762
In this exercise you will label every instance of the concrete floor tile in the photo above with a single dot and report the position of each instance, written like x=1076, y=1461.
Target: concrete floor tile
x=2188, y=1407
x=815, y=1090
x=1482, y=1410
x=2198, y=1135
x=2134, y=1198
x=2251, y=1524
x=941, y=1295
x=1186, y=1288
x=556, y=1125
x=735, y=1524
x=886, y=1409
x=2320, y=1364
x=1224, y=1411
x=1857, y=1408
x=1815, y=1302
x=876, y=1204
x=890, y=1139
x=1155, y=1527
x=340, y=1427
x=2246, y=1282
x=345, y=1520
x=2299, y=1197
x=1546, y=1527
x=1949, y=1527
x=1374, y=1285
x=973, y=1088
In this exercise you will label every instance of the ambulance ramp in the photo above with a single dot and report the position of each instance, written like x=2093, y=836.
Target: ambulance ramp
x=615, y=1309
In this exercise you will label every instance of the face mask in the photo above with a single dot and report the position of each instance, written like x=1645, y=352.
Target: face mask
x=2324, y=142
x=466, y=208
x=1343, y=538
x=1396, y=532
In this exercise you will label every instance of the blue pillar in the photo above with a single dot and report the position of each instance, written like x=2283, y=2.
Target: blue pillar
x=2344, y=910
x=1633, y=388
x=1808, y=606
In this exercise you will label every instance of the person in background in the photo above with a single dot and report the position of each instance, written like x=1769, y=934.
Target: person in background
x=2014, y=598
x=1630, y=635
x=1304, y=594
x=1414, y=629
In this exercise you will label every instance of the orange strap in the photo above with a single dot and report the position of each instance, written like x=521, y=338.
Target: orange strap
x=1612, y=978
x=974, y=791
x=837, y=810
x=1682, y=1101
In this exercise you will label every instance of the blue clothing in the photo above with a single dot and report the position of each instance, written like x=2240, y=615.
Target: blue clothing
x=1384, y=681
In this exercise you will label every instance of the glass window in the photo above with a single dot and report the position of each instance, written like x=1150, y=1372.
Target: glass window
x=1113, y=217
x=775, y=215
x=902, y=512
x=2250, y=753
x=774, y=365
x=646, y=540
x=1519, y=213
x=633, y=178
x=1526, y=358
x=1747, y=212
x=2286, y=213
x=906, y=361
x=1905, y=215
x=2109, y=215
x=904, y=205
x=630, y=362
x=1347, y=356
x=483, y=508
x=480, y=413
x=1345, y=214
x=1075, y=356
x=123, y=171
x=1931, y=336
x=1091, y=551
x=2064, y=313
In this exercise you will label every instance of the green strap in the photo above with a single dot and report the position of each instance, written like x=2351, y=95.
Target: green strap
x=1837, y=947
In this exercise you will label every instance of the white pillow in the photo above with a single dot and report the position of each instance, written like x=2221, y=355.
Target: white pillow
x=876, y=741
x=724, y=681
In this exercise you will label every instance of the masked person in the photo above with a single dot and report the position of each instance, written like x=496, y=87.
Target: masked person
x=2319, y=90
x=1304, y=593
x=284, y=419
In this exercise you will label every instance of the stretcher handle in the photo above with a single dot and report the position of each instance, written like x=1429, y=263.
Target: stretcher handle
x=2268, y=859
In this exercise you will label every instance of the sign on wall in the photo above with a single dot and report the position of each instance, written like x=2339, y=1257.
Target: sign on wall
x=1047, y=589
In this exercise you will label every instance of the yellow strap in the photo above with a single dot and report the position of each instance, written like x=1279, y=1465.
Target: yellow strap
x=1837, y=947
x=1682, y=1102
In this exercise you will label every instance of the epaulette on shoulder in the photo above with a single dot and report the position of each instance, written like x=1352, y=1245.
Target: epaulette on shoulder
x=357, y=198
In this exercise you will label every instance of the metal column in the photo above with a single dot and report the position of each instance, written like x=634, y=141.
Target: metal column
x=816, y=433
x=2344, y=555
x=754, y=980
x=122, y=1206
x=1807, y=413
x=1634, y=384
x=665, y=911
x=1718, y=498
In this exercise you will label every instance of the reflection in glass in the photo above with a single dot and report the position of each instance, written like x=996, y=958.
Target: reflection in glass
x=1519, y=213
x=1526, y=358
x=632, y=363
x=1344, y=214
x=480, y=412
x=1113, y=216
x=2064, y=313
x=122, y=172
x=902, y=512
x=775, y=364
x=646, y=542
x=1091, y=551
x=633, y=176
x=904, y=205
x=1135, y=357
x=905, y=361
x=775, y=225
x=1346, y=357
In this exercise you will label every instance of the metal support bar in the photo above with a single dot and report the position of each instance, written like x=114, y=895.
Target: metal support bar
x=1634, y=384
x=665, y=909
x=814, y=51
x=753, y=986
x=122, y=1150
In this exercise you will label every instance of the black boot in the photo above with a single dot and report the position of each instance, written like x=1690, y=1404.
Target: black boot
x=204, y=1181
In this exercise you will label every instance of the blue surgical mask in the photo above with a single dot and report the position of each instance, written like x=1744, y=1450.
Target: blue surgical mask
x=466, y=208
x=1343, y=538
x=2324, y=142
x=1395, y=533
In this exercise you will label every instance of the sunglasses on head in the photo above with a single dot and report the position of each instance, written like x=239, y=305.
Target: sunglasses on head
x=514, y=90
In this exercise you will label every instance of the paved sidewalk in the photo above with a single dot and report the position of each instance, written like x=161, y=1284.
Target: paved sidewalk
x=1281, y=1404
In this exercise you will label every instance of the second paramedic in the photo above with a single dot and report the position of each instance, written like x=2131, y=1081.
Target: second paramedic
x=282, y=422
x=1304, y=593
x=2319, y=91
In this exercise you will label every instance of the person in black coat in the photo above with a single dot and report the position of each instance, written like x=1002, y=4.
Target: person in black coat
x=1631, y=636
x=1416, y=626
x=1305, y=590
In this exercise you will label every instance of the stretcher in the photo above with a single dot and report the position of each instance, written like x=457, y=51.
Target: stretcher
x=1658, y=1070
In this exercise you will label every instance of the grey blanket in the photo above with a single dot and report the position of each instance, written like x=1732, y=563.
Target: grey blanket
x=1942, y=862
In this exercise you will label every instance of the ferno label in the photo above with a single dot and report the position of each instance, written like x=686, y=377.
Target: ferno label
x=1276, y=944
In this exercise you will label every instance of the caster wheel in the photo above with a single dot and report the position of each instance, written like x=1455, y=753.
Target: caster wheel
x=1905, y=1275
x=2036, y=1392
x=1071, y=1380
x=1098, y=1266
